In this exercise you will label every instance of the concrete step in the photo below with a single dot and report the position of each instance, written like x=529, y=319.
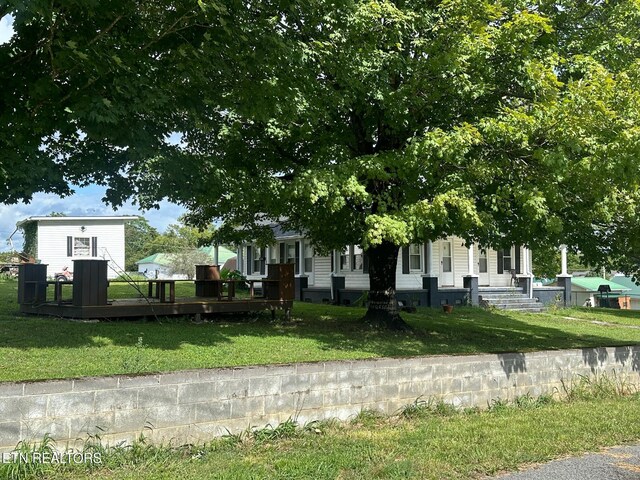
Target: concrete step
x=516, y=306
x=510, y=300
x=506, y=298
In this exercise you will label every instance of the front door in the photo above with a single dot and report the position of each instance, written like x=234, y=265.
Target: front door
x=483, y=268
x=446, y=263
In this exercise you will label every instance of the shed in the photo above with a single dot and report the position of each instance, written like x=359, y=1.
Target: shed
x=585, y=291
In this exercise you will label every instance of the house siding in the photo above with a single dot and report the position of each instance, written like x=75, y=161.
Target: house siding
x=52, y=243
x=357, y=280
x=322, y=272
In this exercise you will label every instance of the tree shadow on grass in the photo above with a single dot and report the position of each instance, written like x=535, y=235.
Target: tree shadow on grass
x=322, y=332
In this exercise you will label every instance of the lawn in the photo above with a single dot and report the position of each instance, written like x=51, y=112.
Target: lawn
x=34, y=348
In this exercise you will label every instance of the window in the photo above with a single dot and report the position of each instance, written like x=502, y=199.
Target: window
x=506, y=260
x=291, y=253
x=258, y=253
x=344, y=259
x=273, y=254
x=308, y=257
x=357, y=258
x=415, y=258
x=81, y=247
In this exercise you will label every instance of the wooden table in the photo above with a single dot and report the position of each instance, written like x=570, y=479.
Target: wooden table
x=161, y=290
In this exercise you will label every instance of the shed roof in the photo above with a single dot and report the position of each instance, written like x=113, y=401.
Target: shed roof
x=591, y=284
x=224, y=254
x=628, y=282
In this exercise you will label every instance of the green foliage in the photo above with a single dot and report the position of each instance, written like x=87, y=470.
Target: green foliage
x=226, y=274
x=30, y=234
x=184, y=262
x=547, y=264
x=138, y=238
x=360, y=122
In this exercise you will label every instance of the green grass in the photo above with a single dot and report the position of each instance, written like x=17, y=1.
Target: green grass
x=607, y=315
x=42, y=347
x=433, y=445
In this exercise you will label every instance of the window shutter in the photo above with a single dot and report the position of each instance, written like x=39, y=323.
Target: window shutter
x=249, y=261
x=94, y=246
x=283, y=258
x=426, y=259
x=500, y=261
x=297, y=259
x=69, y=246
x=405, y=259
x=518, y=270
x=365, y=262
x=262, y=261
x=333, y=261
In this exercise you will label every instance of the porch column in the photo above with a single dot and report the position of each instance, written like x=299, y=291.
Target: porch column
x=301, y=258
x=430, y=278
x=337, y=281
x=526, y=257
x=429, y=259
x=564, y=279
x=215, y=254
x=470, y=281
x=563, y=260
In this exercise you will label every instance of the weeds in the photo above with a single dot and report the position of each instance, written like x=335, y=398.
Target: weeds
x=136, y=361
x=25, y=459
x=368, y=417
x=425, y=408
x=598, y=386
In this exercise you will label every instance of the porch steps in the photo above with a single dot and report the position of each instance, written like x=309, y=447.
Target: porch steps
x=509, y=299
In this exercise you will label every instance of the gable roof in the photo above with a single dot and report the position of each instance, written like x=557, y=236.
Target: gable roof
x=591, y=284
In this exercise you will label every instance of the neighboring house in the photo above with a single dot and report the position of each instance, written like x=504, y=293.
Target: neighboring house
x=435, y=273
x=585, y=293
x=58, y=241
x=158, y=265
x=634, y=290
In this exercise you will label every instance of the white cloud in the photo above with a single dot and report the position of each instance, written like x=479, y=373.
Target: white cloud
x=86, y=201
x=6, y=29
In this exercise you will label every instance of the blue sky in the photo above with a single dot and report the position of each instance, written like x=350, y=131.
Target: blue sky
x=86, y=201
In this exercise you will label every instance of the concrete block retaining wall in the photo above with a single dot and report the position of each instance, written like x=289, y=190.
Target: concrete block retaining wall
x=194, y=406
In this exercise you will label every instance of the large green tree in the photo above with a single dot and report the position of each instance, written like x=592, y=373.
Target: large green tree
x=378, y=123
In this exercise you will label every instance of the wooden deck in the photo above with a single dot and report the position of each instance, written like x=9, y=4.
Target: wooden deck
x=145, y=307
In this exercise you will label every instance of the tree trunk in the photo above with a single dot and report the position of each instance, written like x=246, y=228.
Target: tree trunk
x=383, y=306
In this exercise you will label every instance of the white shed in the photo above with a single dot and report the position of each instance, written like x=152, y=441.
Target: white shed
x=57, y=241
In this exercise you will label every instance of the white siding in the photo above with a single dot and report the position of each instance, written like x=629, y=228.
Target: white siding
x=355, y=280
x=322, y=272
x=321, y=277
x=52, y=243
x=460, y=261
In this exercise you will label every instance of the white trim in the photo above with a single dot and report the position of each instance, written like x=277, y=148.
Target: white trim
x=66, y=219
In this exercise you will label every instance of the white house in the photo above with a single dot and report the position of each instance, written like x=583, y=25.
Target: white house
x=439, y=272
x=57, y=241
